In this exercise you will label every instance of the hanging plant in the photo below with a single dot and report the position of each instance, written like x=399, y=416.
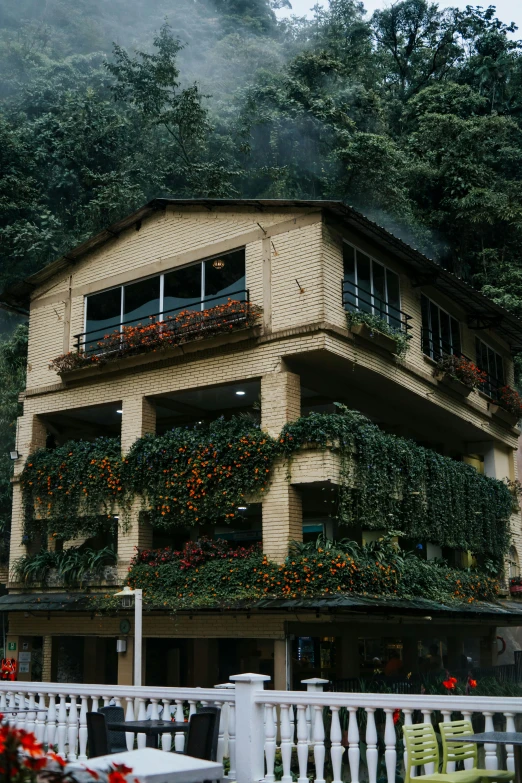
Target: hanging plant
x=377, y=324
x=458, y=368
x=510, y=400
x=199, y=474
x=391, y=482
x=72, y=490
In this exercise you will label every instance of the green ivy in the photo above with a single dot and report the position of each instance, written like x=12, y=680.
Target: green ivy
x=391, y=482
x=377, y=324
x=190, y=475
x=72, y=490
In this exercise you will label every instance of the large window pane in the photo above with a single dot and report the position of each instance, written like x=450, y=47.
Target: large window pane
x=141, y=300
x=364, y=282
x=225, y=278
x=455, y=337
x=445, y=332
x=350, y=297
x=379, y=291
x=435, y=331
x=182, y=289
x=393, y=299
x=103, y=315
x=426, y=340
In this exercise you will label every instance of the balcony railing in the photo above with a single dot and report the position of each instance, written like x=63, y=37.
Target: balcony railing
x=259, y=723
x=178, y=325
x=358, y=299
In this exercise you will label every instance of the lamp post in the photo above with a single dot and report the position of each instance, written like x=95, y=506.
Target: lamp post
x=128, y=598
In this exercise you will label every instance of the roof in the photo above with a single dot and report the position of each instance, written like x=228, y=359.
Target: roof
x=480, y=310
x=502, y=612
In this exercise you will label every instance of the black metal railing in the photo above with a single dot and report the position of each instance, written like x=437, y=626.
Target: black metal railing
x=357, y=299
x=169, y=325
x=436, y=347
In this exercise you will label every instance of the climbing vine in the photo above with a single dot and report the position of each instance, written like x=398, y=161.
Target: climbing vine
x=391, y=482
x=72, y=490
x=198, y=474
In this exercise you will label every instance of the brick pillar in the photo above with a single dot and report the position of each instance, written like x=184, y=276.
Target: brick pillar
x=31, y=435
x=47, y=648
x=282, y=509
x=138, y=419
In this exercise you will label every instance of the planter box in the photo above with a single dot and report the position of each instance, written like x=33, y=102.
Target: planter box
x=515, y=589
x=451, y=383
x=384, y=341
x=504, y=415
x=108, y=575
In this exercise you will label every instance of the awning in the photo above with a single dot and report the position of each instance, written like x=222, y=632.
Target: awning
x=502, y=612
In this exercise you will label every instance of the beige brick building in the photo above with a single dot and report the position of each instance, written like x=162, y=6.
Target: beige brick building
x=304, y=263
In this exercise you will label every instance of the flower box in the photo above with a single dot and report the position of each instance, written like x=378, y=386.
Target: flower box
x=515, y=589
x=501, y=413
x=453, y=384
x=384, y=341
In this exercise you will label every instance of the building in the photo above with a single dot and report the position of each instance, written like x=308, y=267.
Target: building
x=305, y=264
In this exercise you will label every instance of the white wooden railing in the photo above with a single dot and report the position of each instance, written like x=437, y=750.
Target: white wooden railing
x=309, y=733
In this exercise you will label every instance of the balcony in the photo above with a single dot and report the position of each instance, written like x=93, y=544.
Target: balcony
x=197, y=321
x=375, y=319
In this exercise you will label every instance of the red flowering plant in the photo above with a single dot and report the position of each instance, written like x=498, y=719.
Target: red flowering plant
x=24, y=760
x=510, y=400
x=450, y=683
x=195, y=553
x=458, y=368
x=174, y=330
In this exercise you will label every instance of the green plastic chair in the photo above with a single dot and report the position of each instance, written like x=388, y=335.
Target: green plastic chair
x=453, y=749
x=422, y=748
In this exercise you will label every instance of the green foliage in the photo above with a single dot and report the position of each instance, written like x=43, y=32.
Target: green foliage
x=379, y=325
x=72, y=490
x=390, y=482
x=170, y=579
x=199, y=474
x=13, y=355
x=72, y=565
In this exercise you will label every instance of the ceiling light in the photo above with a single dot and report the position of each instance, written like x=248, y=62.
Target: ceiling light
x=241, y=508
x=218, y=263
x=119, y=411
x=240, y=393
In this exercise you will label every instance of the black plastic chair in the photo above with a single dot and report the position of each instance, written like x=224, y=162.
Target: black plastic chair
x=202, y=736
x=117, y=743
x=97, y=735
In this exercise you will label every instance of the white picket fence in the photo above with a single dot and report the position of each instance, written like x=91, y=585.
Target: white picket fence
x=266, y=735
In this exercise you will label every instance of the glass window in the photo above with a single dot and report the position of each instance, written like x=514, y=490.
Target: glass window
x=440, y=331
x=225, y=278
x=491, y=362
x=103, y=315
x=182, y=289
x=370, y=287
x=141, y=300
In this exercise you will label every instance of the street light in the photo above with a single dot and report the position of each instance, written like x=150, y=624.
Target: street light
x=128, y=597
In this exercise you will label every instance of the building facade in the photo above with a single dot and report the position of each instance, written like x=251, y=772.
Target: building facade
x=304, y=265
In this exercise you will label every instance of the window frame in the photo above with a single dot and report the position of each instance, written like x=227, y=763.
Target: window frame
x=161, y=276
x=488, y=388
x=431, y=354
x=372, y=294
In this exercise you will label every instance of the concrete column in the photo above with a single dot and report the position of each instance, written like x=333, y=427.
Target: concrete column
x=138, y=419
x=282, y=509
x=47, y=649
x=498, y=462
x=126, y=664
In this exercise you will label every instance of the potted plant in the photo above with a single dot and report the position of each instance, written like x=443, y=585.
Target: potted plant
x=378, y=331
x=459, y=374
x=515, y=585
x=507, y=406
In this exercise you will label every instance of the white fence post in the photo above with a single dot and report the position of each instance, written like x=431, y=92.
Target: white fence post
x=250, y=730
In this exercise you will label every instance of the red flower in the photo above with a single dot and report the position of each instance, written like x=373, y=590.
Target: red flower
x=472, y=683
x=396, y=716
x=450, y=683
x=55, y=757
